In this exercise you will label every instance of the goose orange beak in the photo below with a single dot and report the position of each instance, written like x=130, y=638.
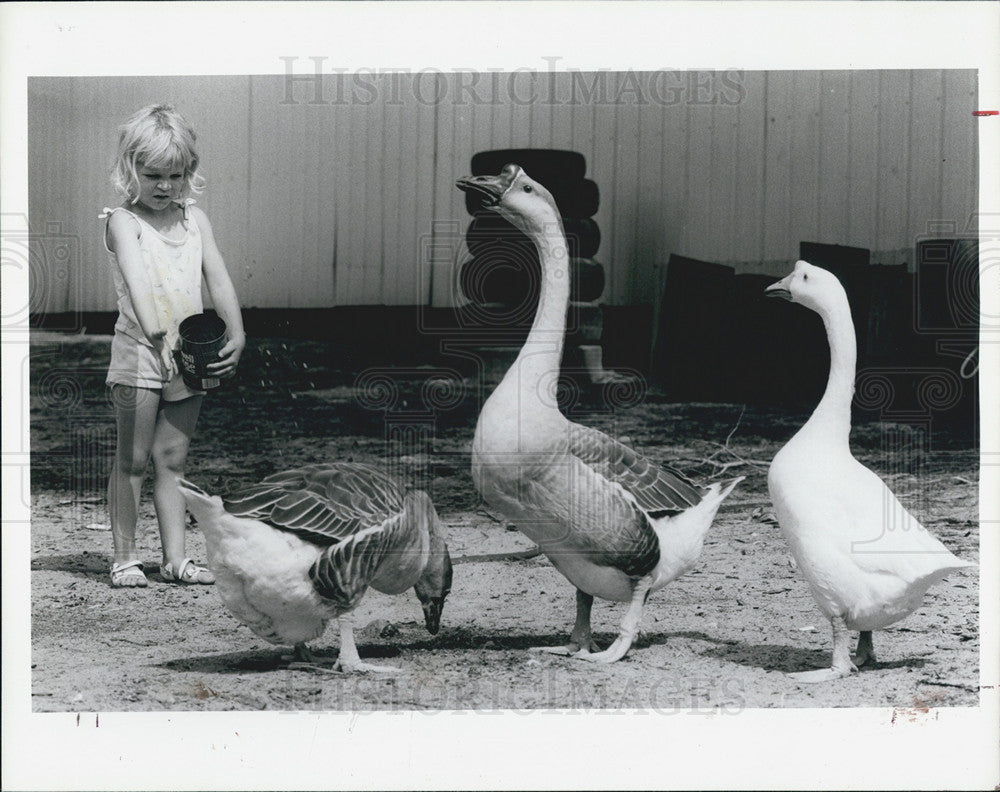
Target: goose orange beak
x=779, y=289
x=490, y=189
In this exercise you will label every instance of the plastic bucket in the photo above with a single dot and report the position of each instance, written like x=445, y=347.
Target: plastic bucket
x=202, y=336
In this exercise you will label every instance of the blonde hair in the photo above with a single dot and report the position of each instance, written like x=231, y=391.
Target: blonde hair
x=157, y=136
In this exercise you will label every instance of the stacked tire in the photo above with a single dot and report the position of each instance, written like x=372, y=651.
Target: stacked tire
x=503, y=274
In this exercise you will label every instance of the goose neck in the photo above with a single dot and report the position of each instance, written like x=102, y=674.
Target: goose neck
x=542, y=351
x=834, y=409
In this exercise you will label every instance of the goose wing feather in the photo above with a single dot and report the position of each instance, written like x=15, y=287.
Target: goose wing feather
x=659, y=491
x=586, y=511
x=343, y=572
x=886, y=538
x=322, y=504
x=604, y=522
x=836, y=507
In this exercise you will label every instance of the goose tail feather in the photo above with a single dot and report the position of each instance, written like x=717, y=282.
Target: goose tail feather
x=721, y=490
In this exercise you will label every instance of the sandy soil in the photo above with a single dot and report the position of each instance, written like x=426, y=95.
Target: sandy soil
x=721, y=637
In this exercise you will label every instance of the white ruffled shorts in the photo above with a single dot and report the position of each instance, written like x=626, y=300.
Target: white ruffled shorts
x=136, y=364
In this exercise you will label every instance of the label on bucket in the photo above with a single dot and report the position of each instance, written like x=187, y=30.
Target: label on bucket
x=193, y=374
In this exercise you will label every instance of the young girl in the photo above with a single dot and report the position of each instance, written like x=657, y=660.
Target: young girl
x=161, y=247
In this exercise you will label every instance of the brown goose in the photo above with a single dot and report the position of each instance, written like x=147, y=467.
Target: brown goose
x=615, y=523
x=301, y=548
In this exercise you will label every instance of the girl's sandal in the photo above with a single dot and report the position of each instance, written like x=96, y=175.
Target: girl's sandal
x=187, y=572
x=128, y=575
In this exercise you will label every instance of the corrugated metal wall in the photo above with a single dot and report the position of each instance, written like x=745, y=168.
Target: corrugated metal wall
x=341, y=192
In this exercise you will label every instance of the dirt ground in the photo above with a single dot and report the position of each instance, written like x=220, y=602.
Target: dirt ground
x=720, y=638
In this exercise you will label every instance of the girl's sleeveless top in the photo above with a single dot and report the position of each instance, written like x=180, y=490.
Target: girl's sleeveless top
x=174, y=269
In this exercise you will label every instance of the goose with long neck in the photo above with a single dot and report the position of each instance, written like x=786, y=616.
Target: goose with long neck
x=868, y=561
x=615, y=523
x=302, y=547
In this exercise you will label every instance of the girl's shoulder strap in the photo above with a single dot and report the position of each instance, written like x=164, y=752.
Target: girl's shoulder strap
x=186, y=205
x=110, y=210
x=106, y=216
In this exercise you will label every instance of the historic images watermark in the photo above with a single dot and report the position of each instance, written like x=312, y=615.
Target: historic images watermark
x=541, y=689
x=314, y=80
x=50, y=258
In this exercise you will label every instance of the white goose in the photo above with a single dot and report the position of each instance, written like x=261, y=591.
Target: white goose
x=867, y=560
x=303, y=546
x=616, y=524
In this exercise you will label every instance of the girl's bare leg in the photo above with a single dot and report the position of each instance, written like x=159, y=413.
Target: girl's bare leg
x=135, y=411
x=174, y=429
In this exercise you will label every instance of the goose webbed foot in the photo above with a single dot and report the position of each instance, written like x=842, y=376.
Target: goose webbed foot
x=615, y=652
x=819, y=675
x=572, y=649
x=302, y=659
x=348, y=667
x=301, y=653
x=864, y=655
x=581, y=640
x=841, y=666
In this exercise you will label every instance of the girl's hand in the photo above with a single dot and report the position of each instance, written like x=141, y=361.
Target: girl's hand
x=166, y=355
x=229, y=358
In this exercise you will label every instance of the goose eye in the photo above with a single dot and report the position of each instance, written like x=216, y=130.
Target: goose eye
x=527, y=188
x=805, y=276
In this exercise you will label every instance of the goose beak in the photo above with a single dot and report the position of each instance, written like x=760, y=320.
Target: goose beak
x=432, y=614
x=779, y=289
x=490, y=189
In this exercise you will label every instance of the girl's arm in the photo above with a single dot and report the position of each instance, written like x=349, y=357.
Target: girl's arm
x=123, y=239
x=227, y=305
